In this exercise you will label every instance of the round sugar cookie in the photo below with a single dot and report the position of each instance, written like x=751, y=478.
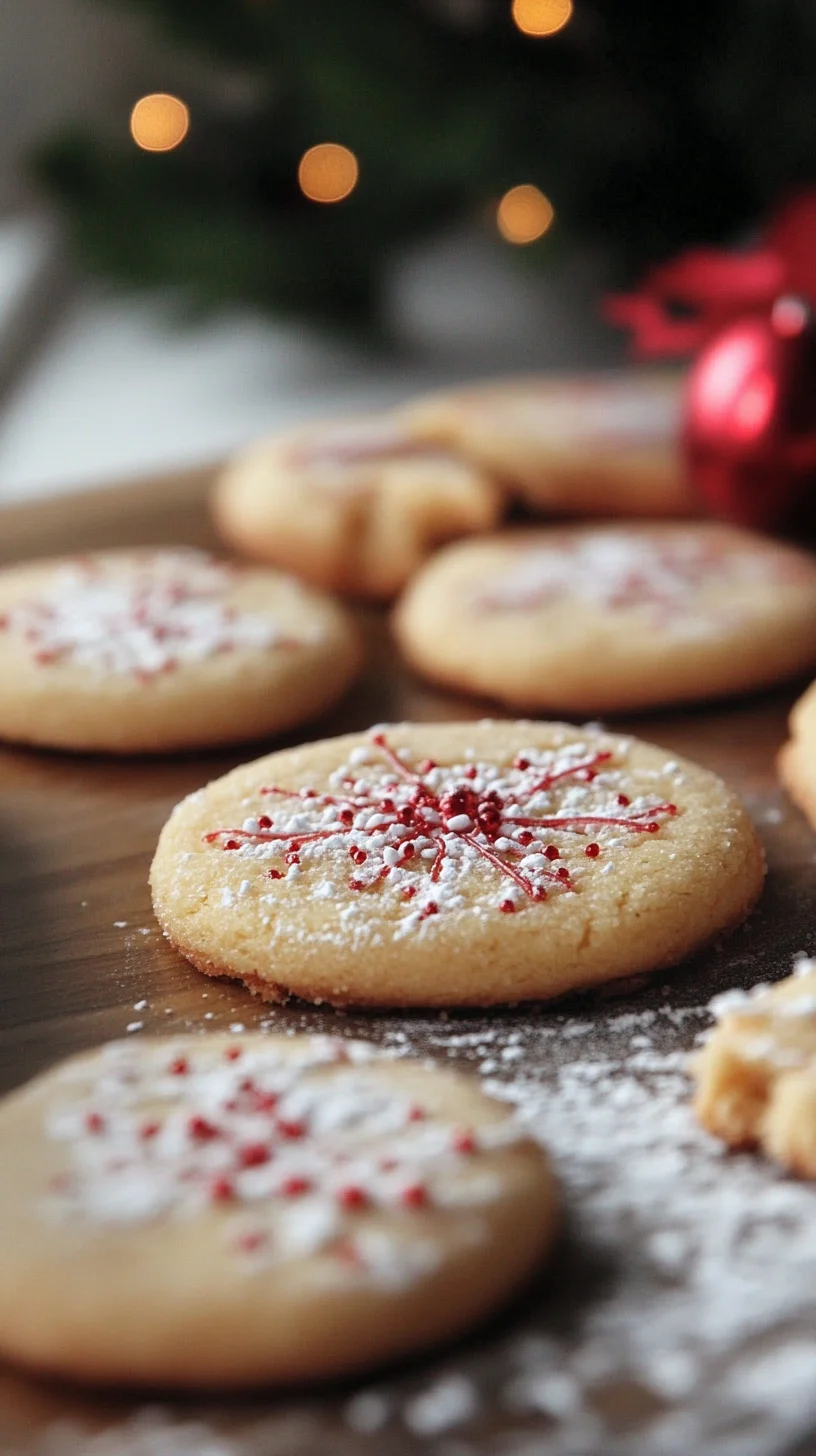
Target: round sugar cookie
x=454, y=864
x=156, y=650
x=756, y=1076
x=586, y=620
x=797, y=758
x=217, y=1212
x=589, y=445
x=354, y=506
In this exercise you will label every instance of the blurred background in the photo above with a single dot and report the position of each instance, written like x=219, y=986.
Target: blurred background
x=217, y=216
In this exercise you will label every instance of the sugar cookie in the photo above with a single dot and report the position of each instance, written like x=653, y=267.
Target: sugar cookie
x=585, y=620
x=590, y=445
x=150, y=651
x=797, y=759
x=756, y=1077
x=453, y=864
x=226, y=1212
x=353, y=506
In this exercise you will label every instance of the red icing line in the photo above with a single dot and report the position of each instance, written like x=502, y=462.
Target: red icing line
x=484, y=811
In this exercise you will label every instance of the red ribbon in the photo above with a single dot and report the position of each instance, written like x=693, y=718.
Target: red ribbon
x=683, y=303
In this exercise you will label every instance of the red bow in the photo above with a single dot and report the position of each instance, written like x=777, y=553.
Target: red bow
x=684, y=302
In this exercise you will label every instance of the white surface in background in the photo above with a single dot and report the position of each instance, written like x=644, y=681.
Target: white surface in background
x=28, y=257
x=125, y=386
x=121, y=390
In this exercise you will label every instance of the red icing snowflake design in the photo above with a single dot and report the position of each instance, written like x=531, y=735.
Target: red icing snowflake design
x=294, y=1148
x=141, y=618
x=419, y=830
x=618, y=572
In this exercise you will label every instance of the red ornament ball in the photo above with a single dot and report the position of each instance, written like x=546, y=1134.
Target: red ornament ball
x=749, y=431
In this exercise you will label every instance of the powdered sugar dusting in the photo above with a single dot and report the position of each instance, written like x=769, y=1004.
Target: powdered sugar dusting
x=139, y=617
x=688, y=1275
x=303, y=1147
x=660, y=574
x=417, y=831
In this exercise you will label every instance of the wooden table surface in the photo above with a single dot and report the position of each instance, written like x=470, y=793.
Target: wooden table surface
x=76, y=838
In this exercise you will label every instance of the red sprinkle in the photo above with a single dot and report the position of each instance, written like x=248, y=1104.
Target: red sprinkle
x=232, y=1054
x=251, y=1242
x=179, y=1068
x=294, y=1187
x=149, y=1130
x=415, y=1196
x=624, y=800
x=291, y=1130
x=264, y=822
x=353, y=1197
x=552, y=852
x=417, y=1113
x=592, y=851
x=507, y=907
x=275, y=875
x=222, y=1191
x=202, y=1130
x=464, y=1142
x=94, y=1122
x=231, y=844
x=254, y=1155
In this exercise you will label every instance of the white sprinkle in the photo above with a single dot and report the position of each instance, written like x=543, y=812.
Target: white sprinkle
x=134, y=1026
x=450, y=1402
x=140, y=1006
x=367, y=1412
x=460, y=823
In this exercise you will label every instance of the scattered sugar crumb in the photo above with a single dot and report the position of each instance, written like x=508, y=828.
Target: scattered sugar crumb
x=367, y=1412
x=449, y=1402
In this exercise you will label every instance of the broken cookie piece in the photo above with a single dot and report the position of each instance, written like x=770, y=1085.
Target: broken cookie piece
x=756, y=1076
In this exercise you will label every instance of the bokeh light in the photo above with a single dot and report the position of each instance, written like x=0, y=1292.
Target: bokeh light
x=541, y=17
x=328, y=172
x=524, y=214
x=159, y=122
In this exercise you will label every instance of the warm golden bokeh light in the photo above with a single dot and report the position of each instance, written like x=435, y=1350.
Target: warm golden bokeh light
x=159, y=122
x=328, y=172
x=524, y=214
x=541, y=17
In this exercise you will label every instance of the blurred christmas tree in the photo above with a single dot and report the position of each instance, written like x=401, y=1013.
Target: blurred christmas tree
x=649, y=126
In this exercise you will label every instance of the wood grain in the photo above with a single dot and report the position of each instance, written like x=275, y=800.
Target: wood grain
x=80, y=948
